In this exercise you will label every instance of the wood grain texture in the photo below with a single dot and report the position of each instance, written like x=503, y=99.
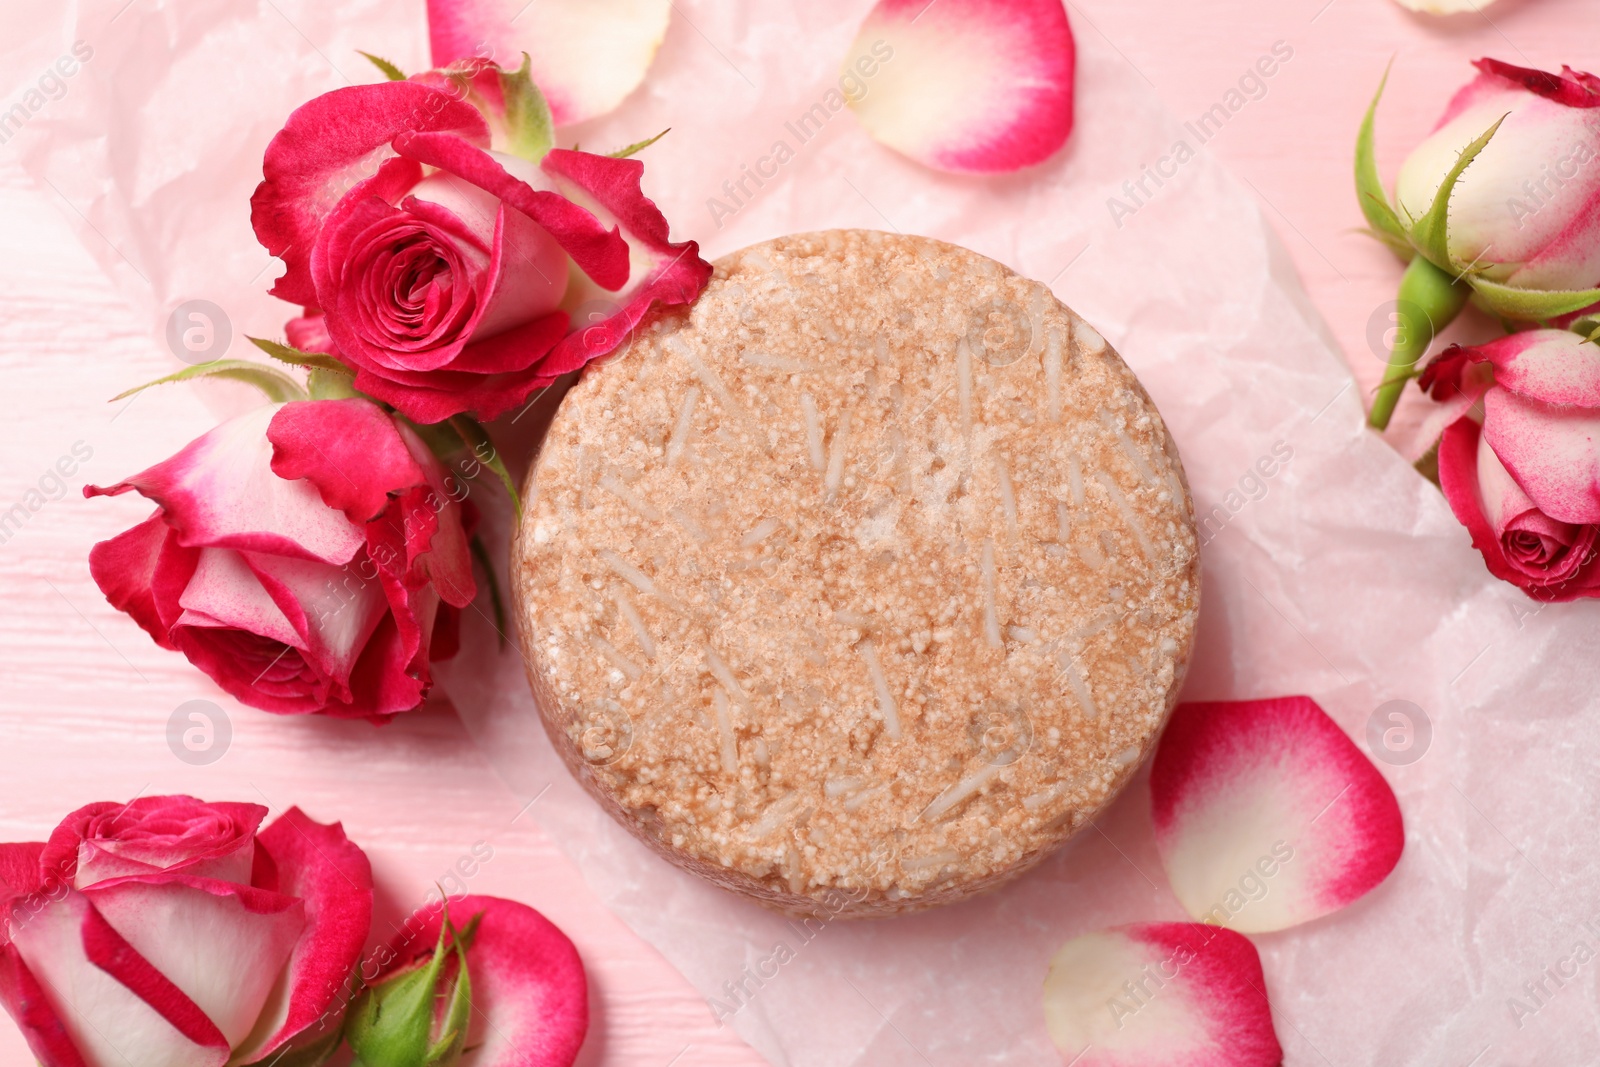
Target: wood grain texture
x=86, y=697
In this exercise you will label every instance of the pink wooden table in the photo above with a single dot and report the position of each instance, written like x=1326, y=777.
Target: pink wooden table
x=86, y=697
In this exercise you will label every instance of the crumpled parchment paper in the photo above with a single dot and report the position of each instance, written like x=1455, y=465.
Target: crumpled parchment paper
x=1341, y=575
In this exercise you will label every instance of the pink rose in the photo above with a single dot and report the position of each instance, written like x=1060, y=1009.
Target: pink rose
x=1526, y=480
x=167, y=931
x=451, y=273
x=308, y=556
x=1528, y=207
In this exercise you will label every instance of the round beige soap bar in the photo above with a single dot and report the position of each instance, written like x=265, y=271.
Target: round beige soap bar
x=861, y=584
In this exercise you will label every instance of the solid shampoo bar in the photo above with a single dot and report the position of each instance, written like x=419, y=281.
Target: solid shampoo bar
x=868, y=579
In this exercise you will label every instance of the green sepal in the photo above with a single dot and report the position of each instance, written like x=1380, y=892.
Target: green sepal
x=279, y=387
x=1530, y=305
x=1386, y=225
x=638, y=146
x=392, y=1022
x=296, y=358
x=390, y=71
x=325, y=384
x=476, y=438
x=480, y=552
x=1588, y=327
x=1431, y=233
x=530, y=128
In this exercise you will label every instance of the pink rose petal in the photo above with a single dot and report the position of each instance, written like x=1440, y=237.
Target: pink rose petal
x=1267, y=815
x=331, y=143
x=29, y=1007
x=587, y=55
x=113, y=1009
x=965, y=85
x=662, y=272
x=225, y=974
x=220, y=491
x=333, y=878
x=348, y=448
x=1160, y=995
x=1553, y=452
x=1553, y=366
x=529, y=993
x=128, y=567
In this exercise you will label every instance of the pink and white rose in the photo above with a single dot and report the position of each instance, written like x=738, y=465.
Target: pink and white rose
x=446, y=254
x=170, y=931
x=310, y=557
x=1528, y=209
x=1519, y=460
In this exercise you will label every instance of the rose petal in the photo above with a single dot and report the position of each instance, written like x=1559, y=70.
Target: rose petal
x=1160, y=995
x=1267, y=815
x=126, y=569
x=326, y=147
x=1555, y=366
x=220, y=491
x=20, y=876
x=332, y=877
x=152, y=834
x=965, y=85
x=348, y=448
x=661, y=272
x=85, y=981
x=1570, y=88
x=337, y=608
x=1552, y=452
x=221, y=944
x=529, y=994
x=30, y=1008
x=600, y=253
x=1466, y=463
x=226, y=592
x=587, y=55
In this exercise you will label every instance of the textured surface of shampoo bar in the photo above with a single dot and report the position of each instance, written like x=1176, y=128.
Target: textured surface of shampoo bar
x=867, y=580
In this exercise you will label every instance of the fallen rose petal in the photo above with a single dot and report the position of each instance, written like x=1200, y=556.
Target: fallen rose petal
x=964, y=85
x=587, y=55
x=530, y=997
x=1267, y=815
x=1160, y=995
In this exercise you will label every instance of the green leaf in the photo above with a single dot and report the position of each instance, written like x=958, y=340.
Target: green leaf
x=331, y=384
x=481, y=553
x=390, y=71
x=278, y=386
x=1431, y=232
x=530, y=129
x=638, y=146
x=1369, y=186
x=476, y=438
x=293, y=356
x=1530, y=305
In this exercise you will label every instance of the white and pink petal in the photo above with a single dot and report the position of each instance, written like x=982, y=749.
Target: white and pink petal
x=113, y=1006
x=221, y=944
x=1160, y=995
x=320, y=866
x=1552, y=451
x=586, y=55
x=1267, y=815
x=220, y=491
x=979, y=86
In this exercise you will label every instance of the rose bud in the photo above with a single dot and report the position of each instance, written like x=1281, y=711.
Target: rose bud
x=505, y=985
x=447, y=254
x=168, y=931
x=1500, y=207
x=309, y=557
x=1524, y=481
